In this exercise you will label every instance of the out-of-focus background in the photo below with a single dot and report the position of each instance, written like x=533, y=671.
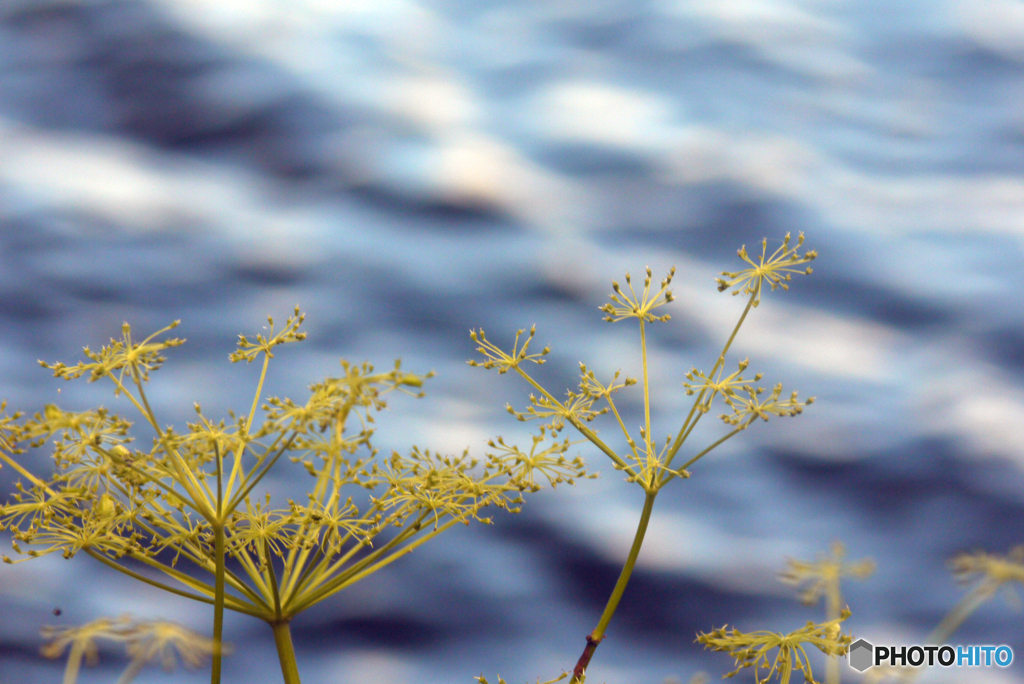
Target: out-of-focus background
x=409, y=170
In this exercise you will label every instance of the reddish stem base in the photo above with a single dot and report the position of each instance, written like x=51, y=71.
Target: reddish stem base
x=588, y=653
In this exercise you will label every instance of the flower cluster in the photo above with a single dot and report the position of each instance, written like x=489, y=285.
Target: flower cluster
x=727, y=387
x=993, y=571
x=821, y=578
x=551, y=462
x=144, y=641
x=631, y=306
x=576, y=408
x=777, y=270
x=745, y=409
x=496, y=358
x=642, y=461
x=753, y=649
x=190, y=497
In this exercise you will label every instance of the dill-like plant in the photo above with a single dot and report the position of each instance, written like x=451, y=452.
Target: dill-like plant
x=646, y=465
x=189, y=495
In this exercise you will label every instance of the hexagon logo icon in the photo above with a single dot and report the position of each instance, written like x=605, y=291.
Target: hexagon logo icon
x=861, y=655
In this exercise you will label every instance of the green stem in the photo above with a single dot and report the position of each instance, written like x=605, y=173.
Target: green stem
x=285, y=651
x=585, y=431
x=595, y=637
x=596, y=441
x=669, y=474
x=325, y=569
x=360, y=571
x=259, y=391
x=648, y=440
x=237, y=604
x=149, y=410
x=218, y=601
x=74, y=662
x=684, y=431
x=132, y=671
x=941, y=634
x=968, y=604
x=218, y=571
x=835, y=598
x=250, y=480
x=622, y=426
x=26, y=474
x=272, y=577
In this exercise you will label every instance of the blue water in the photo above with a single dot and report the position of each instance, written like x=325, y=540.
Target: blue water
x=407, y=171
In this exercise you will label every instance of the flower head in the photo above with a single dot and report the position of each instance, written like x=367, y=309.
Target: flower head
x=144, y=641
x=746, y=409
x=577, y=407
x=290, y=333
x=550, y=463
x=592, y=387
x=777, y=270
x=137, y=358
x=727, y=387
x=822, y=577
x=993, y=571
x=497, y=358
x=149, y=640
x=752, y=650
x=631, y=306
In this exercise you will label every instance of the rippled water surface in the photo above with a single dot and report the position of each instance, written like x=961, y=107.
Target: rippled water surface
x=409, y=170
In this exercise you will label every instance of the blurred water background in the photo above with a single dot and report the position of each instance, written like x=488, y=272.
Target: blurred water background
x=409, y=170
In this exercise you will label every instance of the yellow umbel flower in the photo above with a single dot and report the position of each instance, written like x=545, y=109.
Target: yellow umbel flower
x=777, y=270
x=631, y=306
x=144, y=641
x=752, y=650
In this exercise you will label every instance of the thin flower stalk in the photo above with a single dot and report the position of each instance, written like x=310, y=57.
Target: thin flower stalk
x=641, y=461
